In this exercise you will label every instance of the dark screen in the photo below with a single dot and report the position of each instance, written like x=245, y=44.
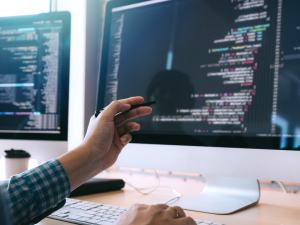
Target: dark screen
x=216, y=67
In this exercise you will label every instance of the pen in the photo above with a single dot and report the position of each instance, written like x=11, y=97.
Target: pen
x=132, y=107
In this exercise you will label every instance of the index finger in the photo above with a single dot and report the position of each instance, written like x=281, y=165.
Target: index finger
x=122, y=105
x=141, y=111
x=112, y=109
x=133, y=100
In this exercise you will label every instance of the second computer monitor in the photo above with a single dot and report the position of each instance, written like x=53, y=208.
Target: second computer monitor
x=34, y=83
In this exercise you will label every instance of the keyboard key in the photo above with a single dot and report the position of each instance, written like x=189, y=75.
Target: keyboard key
x=104, y=216
x=83, y=219
x=112, y=211
x=85, y=215
x=114, y=217
x=92, y=221
x=74, y=217
x=90, y=212
x=94, y=209
x=87, y=208
x=62, y=215
x=76, y=203
x=64, y=211
x=96, y=217
x=105, y=223
x=102, y=210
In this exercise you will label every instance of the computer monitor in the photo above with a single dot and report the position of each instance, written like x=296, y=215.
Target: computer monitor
x=226, y=75
x=34, y=83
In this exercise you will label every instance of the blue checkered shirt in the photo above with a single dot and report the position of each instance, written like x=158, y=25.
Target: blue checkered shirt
x=35, y=191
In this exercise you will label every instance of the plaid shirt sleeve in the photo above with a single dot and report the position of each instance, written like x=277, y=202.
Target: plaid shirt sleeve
x=35, y=191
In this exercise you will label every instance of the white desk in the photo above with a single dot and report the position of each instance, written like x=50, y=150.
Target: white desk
x=273, y=208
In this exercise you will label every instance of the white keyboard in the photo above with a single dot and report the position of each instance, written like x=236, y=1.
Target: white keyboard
x=87, y=213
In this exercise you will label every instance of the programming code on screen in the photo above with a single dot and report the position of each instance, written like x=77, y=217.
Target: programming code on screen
x=214, y=66
x=29, y=77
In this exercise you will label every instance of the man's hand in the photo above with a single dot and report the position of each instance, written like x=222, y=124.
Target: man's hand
x=106, y=136
x=154, y=215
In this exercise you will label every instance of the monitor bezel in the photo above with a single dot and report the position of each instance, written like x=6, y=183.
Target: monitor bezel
x=229, y=141
x=65, y=71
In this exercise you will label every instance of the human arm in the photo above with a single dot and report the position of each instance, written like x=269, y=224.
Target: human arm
x=100, y=149
x=106, y=136
x=33, y=192
x=36, y=191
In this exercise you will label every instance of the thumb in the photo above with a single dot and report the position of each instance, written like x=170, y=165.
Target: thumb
x=113, y=108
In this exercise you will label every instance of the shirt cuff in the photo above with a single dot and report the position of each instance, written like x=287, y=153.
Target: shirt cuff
x=35, y=191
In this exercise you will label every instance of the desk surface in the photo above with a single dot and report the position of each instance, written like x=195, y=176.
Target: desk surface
x=273, y=208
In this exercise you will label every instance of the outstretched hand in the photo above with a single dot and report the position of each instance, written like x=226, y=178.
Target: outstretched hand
x=108, y=134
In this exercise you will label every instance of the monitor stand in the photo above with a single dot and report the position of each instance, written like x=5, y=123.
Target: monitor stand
x=222, y=195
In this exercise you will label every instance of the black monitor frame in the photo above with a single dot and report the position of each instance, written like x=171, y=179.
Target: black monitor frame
x=229, y=141
x=65, y=71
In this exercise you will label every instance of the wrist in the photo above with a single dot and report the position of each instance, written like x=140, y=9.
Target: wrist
x=80, y=165
x=91, y=155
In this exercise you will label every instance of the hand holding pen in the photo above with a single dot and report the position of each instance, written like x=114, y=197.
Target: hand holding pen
x=109, y=133
x=104, y=140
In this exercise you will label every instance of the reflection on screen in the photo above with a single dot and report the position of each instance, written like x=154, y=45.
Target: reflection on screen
x=216, y=67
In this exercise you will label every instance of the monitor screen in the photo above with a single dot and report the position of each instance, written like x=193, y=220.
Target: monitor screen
x=218, y=68
x=33, y=80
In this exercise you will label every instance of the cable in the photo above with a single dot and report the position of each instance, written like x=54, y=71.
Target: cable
x=282, y=186
x=140, y=190
x=173, y=199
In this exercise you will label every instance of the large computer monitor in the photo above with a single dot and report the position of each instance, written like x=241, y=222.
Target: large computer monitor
x=34, y=83
x=226, y=75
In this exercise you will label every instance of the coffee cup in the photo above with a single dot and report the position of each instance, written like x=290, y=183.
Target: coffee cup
x=16, y=161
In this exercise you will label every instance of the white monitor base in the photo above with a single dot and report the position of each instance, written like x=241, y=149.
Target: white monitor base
x=222, y=195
